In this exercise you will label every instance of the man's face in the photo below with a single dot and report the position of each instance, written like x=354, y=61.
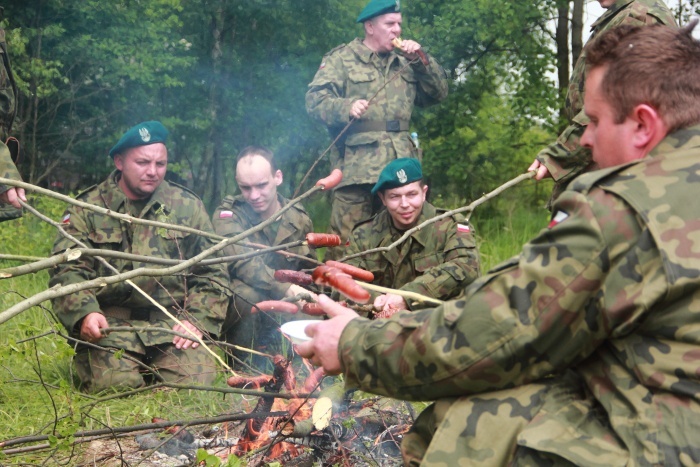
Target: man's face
x=404, y=204
x=606, y=3
x=382, y=30
x=258, y=184
x=143, y=169
x=611, y=143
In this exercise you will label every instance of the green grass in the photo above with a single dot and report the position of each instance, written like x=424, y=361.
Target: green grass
x=37, y=390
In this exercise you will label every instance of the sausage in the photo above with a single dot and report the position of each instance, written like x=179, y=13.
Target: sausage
x=293, y=277
x=275, y=305
x=331, y=181
x=314, y=379
x=355, y=272
x=342, y=282
x=321, y=239
x=313, y=309
x=243, y=381
x=398, y=43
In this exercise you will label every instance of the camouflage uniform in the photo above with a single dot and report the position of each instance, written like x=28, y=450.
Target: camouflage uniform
x=438, y=261
x=201, y=298
x=7, y=167
x=351, y=72
x=565, y=158
x=583, y=349
x=252, y=279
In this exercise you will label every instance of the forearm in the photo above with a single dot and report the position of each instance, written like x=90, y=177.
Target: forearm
x=432, y=82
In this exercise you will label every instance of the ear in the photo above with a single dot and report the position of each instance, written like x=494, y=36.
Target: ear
x=279, y=178
x=650, y=129
x=381, y=197
x=119, y=161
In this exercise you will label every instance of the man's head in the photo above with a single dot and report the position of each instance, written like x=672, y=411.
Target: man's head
x=258, y=178
x=402, y=191
x=142, y=158
x=641, y=85
x=382, y=23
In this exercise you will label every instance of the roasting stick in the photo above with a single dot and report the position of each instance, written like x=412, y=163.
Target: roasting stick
x=410, y=295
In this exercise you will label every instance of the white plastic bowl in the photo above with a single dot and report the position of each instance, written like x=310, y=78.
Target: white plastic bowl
x=295, y=330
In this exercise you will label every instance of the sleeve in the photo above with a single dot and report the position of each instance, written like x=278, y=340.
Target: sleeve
x=325, y=98
x=252, y=271
x=7, y=167
x=566, y=158
x=459, y=268
x=432, y=82
x=542, y=311
x=208, y=294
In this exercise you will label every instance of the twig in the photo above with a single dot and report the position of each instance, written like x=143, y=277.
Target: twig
x=410, y=295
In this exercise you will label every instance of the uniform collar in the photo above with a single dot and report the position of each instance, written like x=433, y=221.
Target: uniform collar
x=422, y=236
x=365, y=54
x=610, y=12
x=115, y=199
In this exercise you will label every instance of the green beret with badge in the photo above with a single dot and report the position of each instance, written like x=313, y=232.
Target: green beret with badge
x=143, y=134
x=397, y=173
x=379, y=7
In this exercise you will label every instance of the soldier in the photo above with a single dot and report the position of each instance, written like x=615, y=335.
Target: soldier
x=583, y=349
x=199, y=300
x=348, y=77
x=9, y=195
x=564, y=159
x=252, y=279
x=438, y=261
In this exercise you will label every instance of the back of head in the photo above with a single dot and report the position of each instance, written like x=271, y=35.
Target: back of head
x=655, y=65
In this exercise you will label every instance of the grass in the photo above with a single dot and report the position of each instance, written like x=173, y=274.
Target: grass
x=37, y=390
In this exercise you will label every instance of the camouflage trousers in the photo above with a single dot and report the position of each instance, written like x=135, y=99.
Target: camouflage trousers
x=351, y=205
x=101, y=369
x=531, y=425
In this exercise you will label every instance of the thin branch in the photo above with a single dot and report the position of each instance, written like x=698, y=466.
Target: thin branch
x=410, y=295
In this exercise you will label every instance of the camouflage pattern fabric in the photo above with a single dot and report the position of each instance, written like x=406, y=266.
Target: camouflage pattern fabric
x=438, y=261
x=252, y=279
x=200, y=298
x=7, y=167
x=351, y=72
x=587, y=341
x=566, y=158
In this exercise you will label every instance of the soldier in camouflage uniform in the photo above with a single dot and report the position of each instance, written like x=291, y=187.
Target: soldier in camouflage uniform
x=252, y=279
x=438, y=261
x=198, y=300
x=348, y=77
x=582, y=350
x=564, y=159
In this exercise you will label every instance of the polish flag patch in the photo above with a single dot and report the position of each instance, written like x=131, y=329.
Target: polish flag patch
x=322, y=66
x=558, y=218
x=225, y=214
x=66, y=219
x=463, y=228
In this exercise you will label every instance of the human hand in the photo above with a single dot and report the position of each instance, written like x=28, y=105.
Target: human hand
x=541, y=170
x=410, y=49
x=12, y=196
x=295, y=290
x=322, y=349
x=90, y=328
x=390, y=302
x=184, y=343
x=358, y=108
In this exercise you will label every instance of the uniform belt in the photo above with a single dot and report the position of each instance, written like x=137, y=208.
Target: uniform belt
x=392, y=126
x=141, y=314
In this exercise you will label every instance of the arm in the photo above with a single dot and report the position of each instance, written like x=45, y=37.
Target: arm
x=565, y=158
x=325, y=98
x=9, y=195
x=542, y=311
x=432, y=82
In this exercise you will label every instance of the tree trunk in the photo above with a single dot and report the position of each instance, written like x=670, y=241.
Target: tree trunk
x=563, y=64
x=576, y=30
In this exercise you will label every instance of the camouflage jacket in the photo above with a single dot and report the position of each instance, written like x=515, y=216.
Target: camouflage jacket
x=200, y=298
x=438, y=261
x=351, y=72
x=610, y=290
x=565, y=158
x=7, y=167
x=234, y=216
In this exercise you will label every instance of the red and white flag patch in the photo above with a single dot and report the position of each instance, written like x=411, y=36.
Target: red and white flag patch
x=558, y=218
x=66, y=219
x=463, y=228
x=225, y=214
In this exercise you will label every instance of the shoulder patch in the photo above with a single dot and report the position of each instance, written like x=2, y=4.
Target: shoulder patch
x=558, y=218
x=463, y=228
x=225, y=214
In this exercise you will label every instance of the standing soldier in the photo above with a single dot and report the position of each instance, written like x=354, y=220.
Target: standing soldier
x=438, y=261
x=348, y=77
x=199, y=299
x=252, y=279
x=564, y=159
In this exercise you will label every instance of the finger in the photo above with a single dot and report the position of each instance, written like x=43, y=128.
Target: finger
x=542, y=172
x=333, y=308
x=380, y=301
x=21, y=194
x=534, y=166
x=305, y=349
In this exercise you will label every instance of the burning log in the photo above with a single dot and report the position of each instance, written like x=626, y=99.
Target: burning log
x=332, y=399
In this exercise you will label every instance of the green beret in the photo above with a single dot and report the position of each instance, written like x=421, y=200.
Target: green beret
x=142, y=134
x=398, y=172
x=379, y=7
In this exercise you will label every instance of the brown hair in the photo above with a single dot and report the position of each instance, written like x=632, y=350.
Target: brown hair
x=655, y=65
x=258, y=151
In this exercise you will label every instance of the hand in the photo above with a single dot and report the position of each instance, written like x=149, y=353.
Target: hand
x=322, y=349
x=183, y=343
x=540, y=168
x=410, y=49
x=12, y=195
x=390, y=302
x=90, y=329
x=358, y=108
x=295, y=290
